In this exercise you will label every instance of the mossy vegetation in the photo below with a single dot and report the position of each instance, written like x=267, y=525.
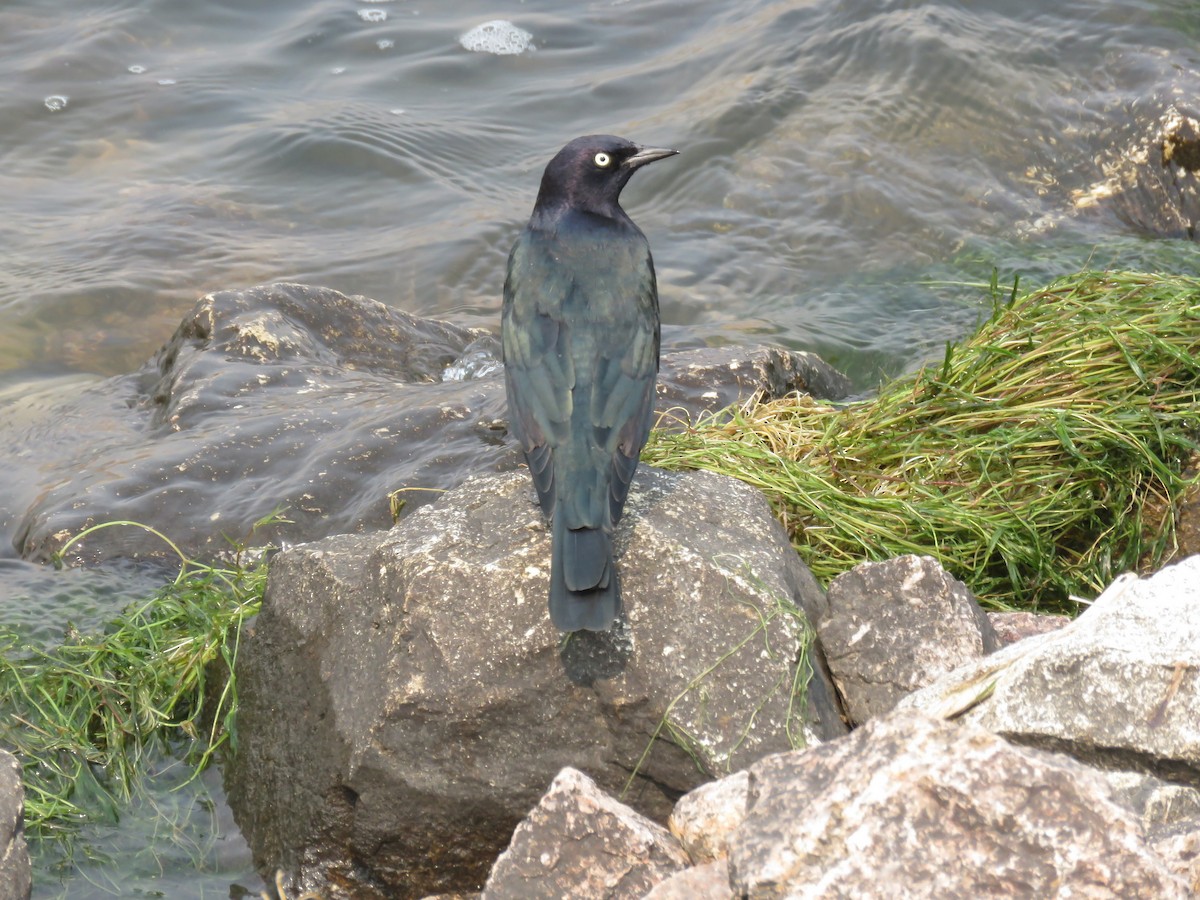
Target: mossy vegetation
x=1040, y=458
x=89, y=717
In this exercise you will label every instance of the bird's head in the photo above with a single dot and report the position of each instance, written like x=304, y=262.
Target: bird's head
x=589, y=173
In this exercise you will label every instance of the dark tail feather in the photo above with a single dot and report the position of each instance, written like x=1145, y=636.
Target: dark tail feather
x=586, y=557
x=584, y=594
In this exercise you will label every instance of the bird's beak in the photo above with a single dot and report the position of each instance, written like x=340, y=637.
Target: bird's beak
x=647, y=155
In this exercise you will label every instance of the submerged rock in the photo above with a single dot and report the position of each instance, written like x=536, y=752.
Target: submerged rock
x=405, y=700
x=278, y=396
x=1153, y=185
x=298, y=397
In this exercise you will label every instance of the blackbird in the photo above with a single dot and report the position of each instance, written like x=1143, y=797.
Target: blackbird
x=580, y=334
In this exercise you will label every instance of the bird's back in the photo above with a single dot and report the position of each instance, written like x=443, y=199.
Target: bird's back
x=581, y=338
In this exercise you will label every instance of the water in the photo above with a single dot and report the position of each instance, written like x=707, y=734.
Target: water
x=39, y=604
x=178, y=840
x=835, y=155
x=844, y=165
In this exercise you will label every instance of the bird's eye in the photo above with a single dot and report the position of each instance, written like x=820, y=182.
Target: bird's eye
x=603, y=159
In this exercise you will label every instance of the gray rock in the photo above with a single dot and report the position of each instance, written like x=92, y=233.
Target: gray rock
x=1118, y=687
x=1181, y=855
x=15, y=872
x=404, y=697
x=888, y=628
x=580, y=843
x=1011, y=627
x=932, y=809
x=707, y=882
x=1162, y=807
x=704, y=819
x=720, y=376
x=296, y=396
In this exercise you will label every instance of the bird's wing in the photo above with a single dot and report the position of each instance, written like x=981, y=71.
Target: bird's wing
x=538, y=371
x=622, y=389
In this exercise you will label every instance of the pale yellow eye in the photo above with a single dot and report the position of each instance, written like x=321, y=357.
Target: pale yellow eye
x=603, y=159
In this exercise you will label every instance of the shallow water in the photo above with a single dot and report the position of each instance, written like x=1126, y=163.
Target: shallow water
x=845, y=165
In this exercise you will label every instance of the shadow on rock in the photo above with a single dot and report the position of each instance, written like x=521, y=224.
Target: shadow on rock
x=591, y=656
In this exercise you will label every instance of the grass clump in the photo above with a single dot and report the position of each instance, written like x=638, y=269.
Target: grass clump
x=89, y=717
x=1029, y=462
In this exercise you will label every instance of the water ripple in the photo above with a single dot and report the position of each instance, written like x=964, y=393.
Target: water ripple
x=825, y=145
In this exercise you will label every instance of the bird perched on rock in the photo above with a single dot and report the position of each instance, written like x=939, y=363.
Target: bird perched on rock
x=580, y=334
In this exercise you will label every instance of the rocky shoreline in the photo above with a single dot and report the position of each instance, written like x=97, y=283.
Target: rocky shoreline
x=1035, y=757
x=1064, y=763
x=410, y=724
x=1067, y=764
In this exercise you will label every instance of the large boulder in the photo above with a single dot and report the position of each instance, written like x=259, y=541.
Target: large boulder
x=281, y=395
x=890, y=627
x=1117, y=687
x=404, y=698
x=932, y=809
x=301, y=397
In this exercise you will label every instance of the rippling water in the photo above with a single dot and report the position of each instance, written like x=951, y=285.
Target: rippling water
x=844, y=163
x=835, y=156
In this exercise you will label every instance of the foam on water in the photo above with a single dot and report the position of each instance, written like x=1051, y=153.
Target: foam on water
x=498, y=36
x=56, y=102
x=478, y=360
x=373, y=15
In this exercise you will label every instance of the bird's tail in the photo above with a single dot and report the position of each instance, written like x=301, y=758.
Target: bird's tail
x=584, y=594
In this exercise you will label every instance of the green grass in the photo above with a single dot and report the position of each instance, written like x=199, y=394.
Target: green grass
x=87, y=717
x=1034, y=461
